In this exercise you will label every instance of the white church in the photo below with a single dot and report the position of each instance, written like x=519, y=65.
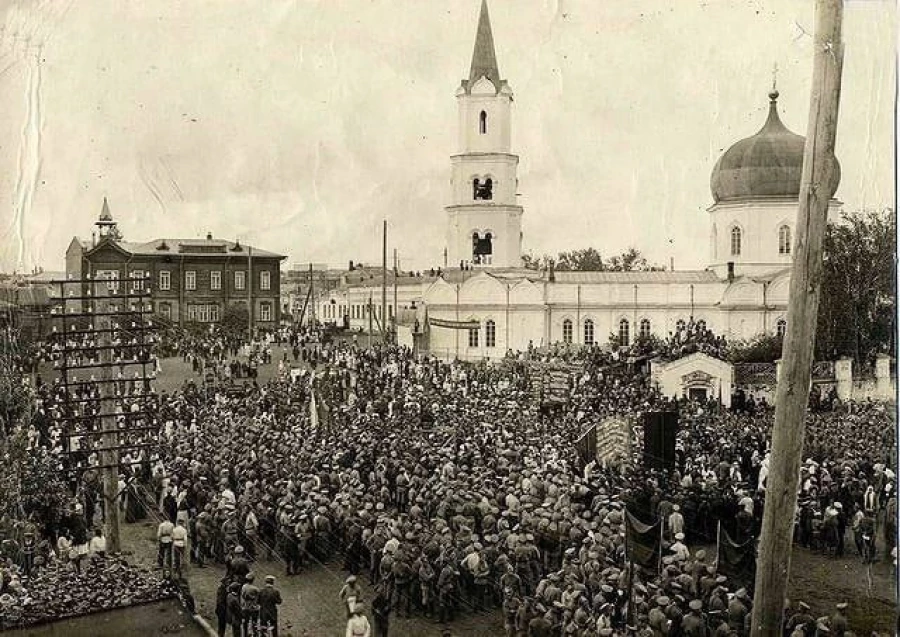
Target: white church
x=490, y=303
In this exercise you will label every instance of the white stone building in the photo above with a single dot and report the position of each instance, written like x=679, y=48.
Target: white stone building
x=500, y=305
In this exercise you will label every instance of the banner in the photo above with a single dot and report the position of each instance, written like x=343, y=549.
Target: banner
x=454, y=325
x=614, y=441
x=587, y=445
x=737, y=561
x=643, y=541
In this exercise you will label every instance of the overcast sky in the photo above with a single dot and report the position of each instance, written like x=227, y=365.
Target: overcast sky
x=298, y=126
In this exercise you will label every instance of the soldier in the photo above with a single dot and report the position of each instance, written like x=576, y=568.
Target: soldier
x=656, y=618
x=447, y=590
x=801, y=618
x=838, y=620
x=738, y=608
x=269, y=599
x=693, y=624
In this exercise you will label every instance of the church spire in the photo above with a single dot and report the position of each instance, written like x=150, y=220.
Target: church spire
x=484, y=58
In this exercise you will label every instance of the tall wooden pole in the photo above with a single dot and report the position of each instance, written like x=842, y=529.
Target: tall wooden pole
x=384, y=334
x=394, y=322
x=792, y=395
x=109, y=457
x=312, y=299
x=249, y=294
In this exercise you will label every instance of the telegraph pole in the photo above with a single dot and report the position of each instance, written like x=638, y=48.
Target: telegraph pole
x=384, y=334
x=395, y=295
x=792, y=395
x=109, y=457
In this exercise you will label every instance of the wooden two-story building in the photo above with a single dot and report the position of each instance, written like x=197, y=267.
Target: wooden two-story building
x=190, y=280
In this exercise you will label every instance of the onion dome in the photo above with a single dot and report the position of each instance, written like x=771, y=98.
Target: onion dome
x=767, y=164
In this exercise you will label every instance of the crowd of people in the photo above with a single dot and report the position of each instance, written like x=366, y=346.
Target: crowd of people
x=453, y=491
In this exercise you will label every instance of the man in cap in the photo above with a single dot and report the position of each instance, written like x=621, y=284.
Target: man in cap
x=250, y=605
x=164, y=543
x=738, y=608
x=693, y=624
x=656, y=618
x=381, y=610
x=269, y=599
x=838, y=621
x=801, y=618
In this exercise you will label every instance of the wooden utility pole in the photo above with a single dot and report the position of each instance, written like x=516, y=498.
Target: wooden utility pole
x=773, y=568
x=394, y=322
x=109, y=457
x=384, y=334
x=249, y=294
x=312, y=298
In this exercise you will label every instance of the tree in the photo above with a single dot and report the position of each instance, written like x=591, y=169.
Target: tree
x=631, y=261
x=856, y=313
x=532, y=262
x=765, y=348
x=584, y=260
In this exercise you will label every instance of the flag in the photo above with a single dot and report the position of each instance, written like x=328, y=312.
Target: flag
x=737, y=561
x=644, y=542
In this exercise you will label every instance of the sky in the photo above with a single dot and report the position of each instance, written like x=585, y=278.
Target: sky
x=298, y=126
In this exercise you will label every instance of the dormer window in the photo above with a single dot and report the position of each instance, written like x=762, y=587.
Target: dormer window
x=482, y=123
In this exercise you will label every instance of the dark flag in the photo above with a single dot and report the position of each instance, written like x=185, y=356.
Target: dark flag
x=587, y=446
x=643, y=540
x=737, y=561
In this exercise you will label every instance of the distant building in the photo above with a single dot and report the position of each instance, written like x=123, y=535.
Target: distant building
x=191, y=280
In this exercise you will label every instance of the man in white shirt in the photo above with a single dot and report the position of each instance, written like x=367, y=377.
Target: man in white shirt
x=164, y=539
x=179, y=544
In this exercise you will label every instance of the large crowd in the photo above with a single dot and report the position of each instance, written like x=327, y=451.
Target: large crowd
x=452, y=491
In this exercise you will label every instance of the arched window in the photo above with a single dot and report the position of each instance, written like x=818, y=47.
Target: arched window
x=735, y=242
x=588, y=332
x=482, y=123
x=645, y=328
x=476, y=187
x=490, y=334
x=624, y=335
x=781, y=327
x=567, y=331
x=473, y=337
x=784, y=240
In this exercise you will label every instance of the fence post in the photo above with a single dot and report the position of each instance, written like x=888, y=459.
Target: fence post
x=843, y=375
x=883, y=377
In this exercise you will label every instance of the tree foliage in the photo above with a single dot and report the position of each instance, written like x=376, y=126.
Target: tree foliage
x=765, y=348
x=590, y=260
x=856, y=311
x=236, y=319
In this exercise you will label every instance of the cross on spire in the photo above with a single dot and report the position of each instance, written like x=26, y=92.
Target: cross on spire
x=774, y=77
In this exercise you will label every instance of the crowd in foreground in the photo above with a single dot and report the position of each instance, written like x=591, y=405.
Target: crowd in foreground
x=453, y=492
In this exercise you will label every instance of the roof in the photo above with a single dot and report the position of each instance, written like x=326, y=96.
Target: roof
x=664, y=276
x=191, y=247
x=767, y=164
x=484, y=57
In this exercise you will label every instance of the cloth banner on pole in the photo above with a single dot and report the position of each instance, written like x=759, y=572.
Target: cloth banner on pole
x=737, y=561
x=644, y=545
x=587, y=446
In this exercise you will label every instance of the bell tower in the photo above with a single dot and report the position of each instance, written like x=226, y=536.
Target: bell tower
x=484, y=221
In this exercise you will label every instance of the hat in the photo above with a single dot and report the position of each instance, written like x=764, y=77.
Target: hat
x=662, y=600
x=238, y=549
x=350, y=579
x=679, y=536
x=803, y=605
x=695, y=604
x=842, y=606
x=675, y=507
x=270, y=579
